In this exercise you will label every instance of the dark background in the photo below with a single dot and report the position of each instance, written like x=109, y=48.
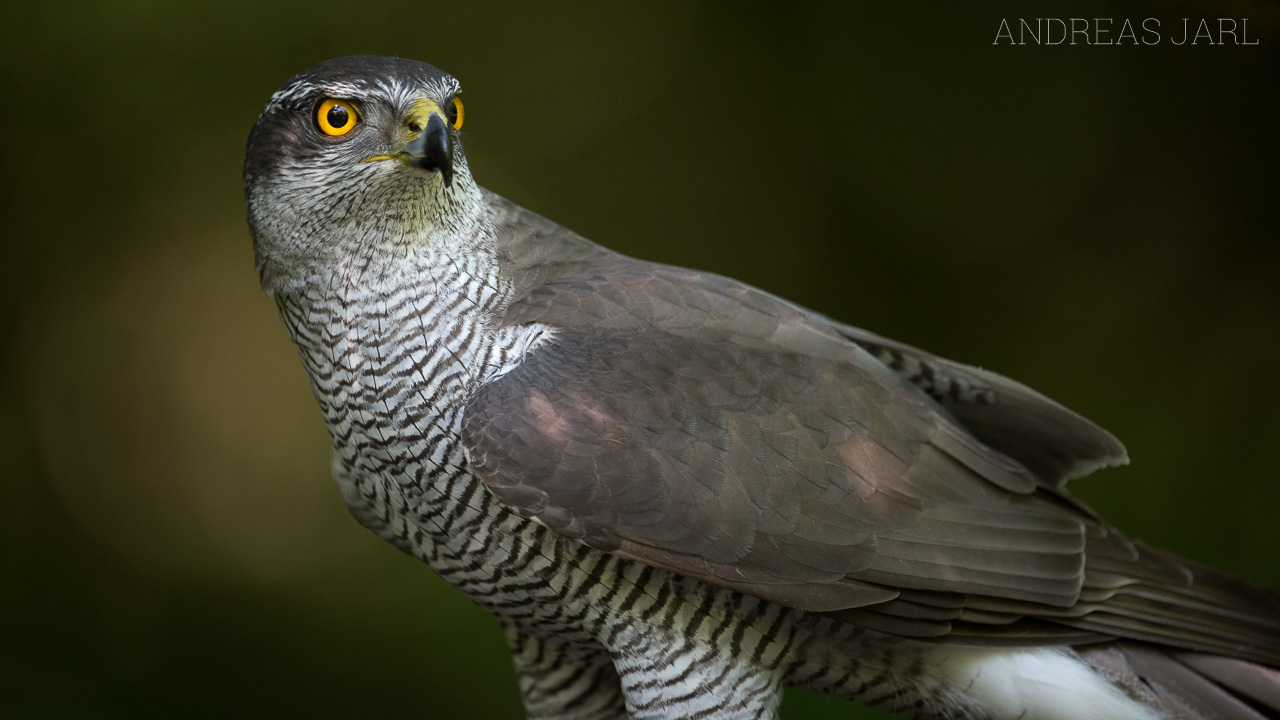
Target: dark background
x=1098, y=222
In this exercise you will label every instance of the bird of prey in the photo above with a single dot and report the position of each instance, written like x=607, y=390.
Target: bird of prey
x=678, y=493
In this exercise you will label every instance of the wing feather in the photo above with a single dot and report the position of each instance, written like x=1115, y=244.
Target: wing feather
x=705, y=427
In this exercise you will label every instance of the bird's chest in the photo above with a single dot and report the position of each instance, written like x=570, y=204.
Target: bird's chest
x=392, y=369
x=392, y=373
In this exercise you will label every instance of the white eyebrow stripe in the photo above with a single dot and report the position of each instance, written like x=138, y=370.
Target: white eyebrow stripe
x=395, y=89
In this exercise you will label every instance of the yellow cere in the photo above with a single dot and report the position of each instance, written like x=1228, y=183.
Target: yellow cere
x=419, y=111
x=336, y=117
x=457, y=105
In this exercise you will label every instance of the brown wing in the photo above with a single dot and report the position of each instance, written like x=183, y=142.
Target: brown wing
x=718, y=460
x=702, y=426
x=564, y=280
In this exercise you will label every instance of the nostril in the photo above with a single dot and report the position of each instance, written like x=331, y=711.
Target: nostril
x=415, y=127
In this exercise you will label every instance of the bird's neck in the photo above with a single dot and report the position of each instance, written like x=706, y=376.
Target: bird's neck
x=342, y=247
x=393, y=358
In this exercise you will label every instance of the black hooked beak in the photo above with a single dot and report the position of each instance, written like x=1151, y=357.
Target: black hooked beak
x=433, y=150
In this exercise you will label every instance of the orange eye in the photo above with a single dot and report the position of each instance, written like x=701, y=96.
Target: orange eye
x=458, y=113
x=336, y=117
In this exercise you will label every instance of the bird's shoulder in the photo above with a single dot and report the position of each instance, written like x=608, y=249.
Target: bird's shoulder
x=566, y=282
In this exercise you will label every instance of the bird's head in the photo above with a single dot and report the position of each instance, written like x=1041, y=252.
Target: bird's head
x=353, y=163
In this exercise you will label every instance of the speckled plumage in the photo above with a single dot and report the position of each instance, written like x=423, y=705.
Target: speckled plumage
x=679, y=493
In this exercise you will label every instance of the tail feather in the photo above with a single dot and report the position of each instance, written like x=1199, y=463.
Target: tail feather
x=1189, y=686
x=1255, y=682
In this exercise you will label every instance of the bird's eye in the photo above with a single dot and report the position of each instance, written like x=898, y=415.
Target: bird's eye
x=458, y=113
x=336, y=117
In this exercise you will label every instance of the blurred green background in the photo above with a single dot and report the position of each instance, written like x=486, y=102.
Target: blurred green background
x=1099, y=222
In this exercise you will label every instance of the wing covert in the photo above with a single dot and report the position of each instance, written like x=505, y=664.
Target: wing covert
x=722, y=461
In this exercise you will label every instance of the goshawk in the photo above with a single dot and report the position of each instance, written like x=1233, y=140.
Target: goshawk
x=679, y=493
